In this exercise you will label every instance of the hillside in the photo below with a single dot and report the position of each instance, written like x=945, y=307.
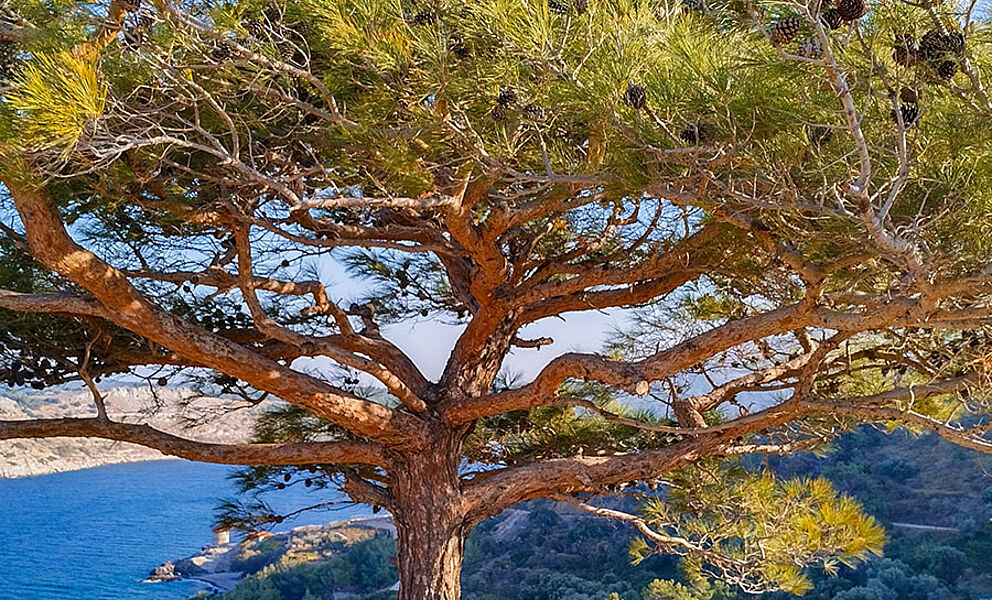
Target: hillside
x=934, y=498
x=163, y=409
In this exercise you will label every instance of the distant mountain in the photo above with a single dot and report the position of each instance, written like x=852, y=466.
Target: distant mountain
x=169, y=409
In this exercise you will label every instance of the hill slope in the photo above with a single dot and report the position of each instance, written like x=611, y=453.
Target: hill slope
x=21, y=458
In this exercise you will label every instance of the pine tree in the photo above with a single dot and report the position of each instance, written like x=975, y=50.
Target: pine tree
x=755, y=216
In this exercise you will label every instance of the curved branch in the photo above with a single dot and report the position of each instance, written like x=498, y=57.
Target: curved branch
x=626, y=375
x=52, y=246
x=491, y=492
x=51, y=303
x=955, y=435
x=269, y=327
x=631, y=375
x=229, y=454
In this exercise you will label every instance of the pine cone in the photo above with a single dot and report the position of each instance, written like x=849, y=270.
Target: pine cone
x=498, y=113
x=457, y=46
x=786, y=30
x=534, y=111
x=910, y=114
x=811, y=48
x=558, y=7
x=254, y=27
x=507, y=97
x=424, y=17
x=831, y=18
x=581, y=6
x=908, y=95
x=696, y=133
x=852, y=10
x=131, y=5
x=905, y=51
x=635, y=96
x=947, y=69
x=955, y=42
x=220, y=52
x=933, y=45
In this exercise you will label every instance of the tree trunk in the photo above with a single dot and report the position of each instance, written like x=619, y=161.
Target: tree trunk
x=430, y=523
x=429, y=557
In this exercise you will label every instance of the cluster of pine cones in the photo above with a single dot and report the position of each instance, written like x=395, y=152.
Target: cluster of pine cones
x=507, y=100
x=936, y=49
x=692, y=134
x=35, y=372
x=832, y=17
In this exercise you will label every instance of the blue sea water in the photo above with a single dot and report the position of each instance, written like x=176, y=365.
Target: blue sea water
x=95, y=534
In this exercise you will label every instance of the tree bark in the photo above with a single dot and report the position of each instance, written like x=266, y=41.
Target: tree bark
x=429, y=557
x=431, y=524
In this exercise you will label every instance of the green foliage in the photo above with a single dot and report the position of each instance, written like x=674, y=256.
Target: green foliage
x=58, y=96
x=362, y=568
x=404, y=286
x=557, y=431
x=164, y=128
x=756, y=530
x=249, y=511
x=42, y=350
x=699, y=588
x=587, y=556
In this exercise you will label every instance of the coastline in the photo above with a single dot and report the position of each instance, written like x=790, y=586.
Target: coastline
x=216, y=565
x=202, y=420
x=219, y=582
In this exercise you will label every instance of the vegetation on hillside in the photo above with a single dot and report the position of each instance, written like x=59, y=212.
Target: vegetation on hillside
x=544, y=552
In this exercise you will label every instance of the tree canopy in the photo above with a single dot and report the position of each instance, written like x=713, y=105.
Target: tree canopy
x=790, y=199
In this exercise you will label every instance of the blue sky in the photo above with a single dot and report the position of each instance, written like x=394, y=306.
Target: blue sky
x=429, y=342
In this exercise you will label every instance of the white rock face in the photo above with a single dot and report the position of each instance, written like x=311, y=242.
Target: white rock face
x=202, y=419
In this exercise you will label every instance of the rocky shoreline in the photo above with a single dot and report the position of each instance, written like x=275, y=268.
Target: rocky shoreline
x=223, y=564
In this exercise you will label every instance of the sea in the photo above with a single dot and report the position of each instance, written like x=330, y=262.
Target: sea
x=95, y=534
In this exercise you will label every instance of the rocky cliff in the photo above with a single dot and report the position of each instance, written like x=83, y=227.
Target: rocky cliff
x=167, y=409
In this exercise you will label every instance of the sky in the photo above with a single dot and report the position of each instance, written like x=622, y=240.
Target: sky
x=428, y=342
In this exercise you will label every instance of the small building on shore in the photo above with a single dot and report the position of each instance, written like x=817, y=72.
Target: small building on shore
x=222, y=535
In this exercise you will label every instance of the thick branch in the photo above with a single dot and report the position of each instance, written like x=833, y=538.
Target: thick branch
x=51, y=245
x=490, y=493
x=51, y=303
x=627, y=375
x=228, y=454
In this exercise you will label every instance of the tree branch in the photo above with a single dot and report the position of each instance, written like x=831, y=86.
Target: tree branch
x=52, y=304
x=228, y=454
x=52, y=246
